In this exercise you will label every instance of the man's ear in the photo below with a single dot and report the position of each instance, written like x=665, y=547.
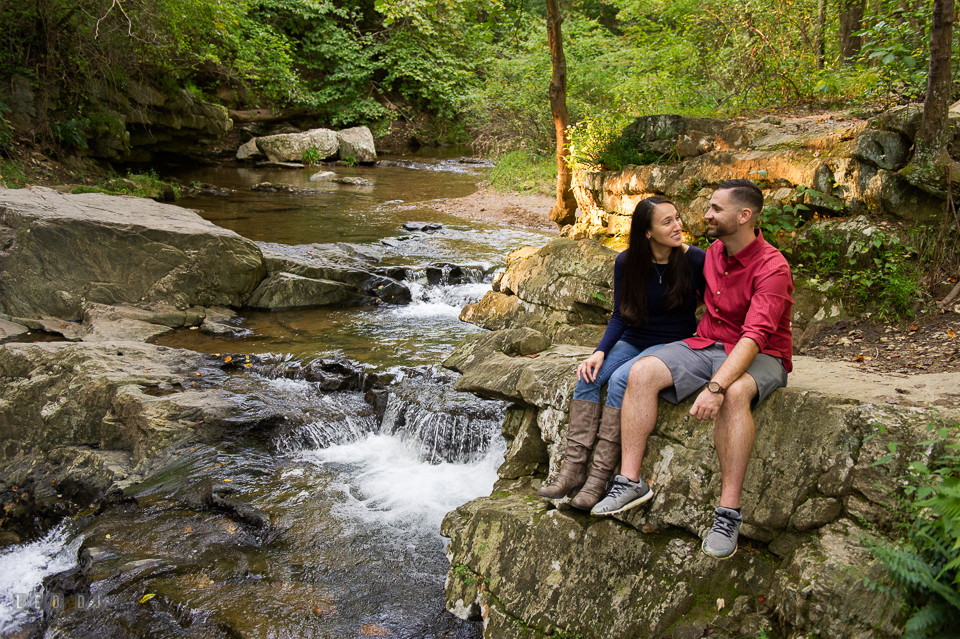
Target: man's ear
x=744, y=216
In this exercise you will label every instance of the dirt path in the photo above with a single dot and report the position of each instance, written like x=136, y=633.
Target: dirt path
x=511, y=209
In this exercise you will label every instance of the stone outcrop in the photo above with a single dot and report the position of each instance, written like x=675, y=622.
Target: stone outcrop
x=130, y=123
x=79, y=421
x=564, y=290
x=290, y=147
x=813, y=492
x=353, y=145
x=62, y=250
x=851, y=166
x=95, y=267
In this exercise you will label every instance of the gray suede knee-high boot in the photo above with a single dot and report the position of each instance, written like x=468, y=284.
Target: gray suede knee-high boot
x=581, y=433
x=606, y=457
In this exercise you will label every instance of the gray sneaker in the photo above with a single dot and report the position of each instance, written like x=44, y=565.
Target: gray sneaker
x=721, y=543
x=623, y=495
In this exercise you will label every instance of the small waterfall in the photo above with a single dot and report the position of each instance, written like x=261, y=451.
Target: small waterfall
x=419, y=408
x=444, y=425
x=22, y=570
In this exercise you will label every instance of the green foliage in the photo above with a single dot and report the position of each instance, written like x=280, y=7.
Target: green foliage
x=895, y=51
x=925, y=563
x=6, y=135
x=70, y=133
x=525, y=171
x=146, y=184
x=601, y=142
x=312, y=157
x=12, y=175
x=886, y=283
x=779, y=221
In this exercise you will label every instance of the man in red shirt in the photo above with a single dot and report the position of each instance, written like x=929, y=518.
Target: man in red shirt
x=742, y=353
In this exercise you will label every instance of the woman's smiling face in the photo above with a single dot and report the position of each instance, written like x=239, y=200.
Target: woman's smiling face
x=665, y=226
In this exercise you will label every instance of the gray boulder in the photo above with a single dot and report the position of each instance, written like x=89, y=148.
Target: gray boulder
x=564, y=290
x=290, y=147
x=522, y=564
x=249, y=151
x=884, y=149
x=356, y=144
x=286, y=290
x=65, y=250
x=334, y=264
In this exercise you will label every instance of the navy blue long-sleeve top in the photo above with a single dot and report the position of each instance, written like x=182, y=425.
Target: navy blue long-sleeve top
x=662, y=326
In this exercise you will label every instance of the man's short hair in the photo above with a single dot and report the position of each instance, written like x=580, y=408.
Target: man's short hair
x=745, y=193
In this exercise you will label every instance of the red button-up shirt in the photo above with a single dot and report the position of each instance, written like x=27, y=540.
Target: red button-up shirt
x=748, y=295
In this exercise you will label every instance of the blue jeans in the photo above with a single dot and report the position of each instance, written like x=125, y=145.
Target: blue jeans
x=615, y=369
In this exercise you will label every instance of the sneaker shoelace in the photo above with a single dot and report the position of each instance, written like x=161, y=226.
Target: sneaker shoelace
x=617, y=488
x=724, y=526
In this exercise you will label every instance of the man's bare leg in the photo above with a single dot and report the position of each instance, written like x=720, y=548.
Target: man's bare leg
x=733, y=438
x=638, y=415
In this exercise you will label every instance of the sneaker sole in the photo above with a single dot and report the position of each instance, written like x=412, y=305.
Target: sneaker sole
x=704, y=551
x=632, y=504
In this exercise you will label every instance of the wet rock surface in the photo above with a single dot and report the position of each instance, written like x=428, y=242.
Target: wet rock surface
x=139, y=445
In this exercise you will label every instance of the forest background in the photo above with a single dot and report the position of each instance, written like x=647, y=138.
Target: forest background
x=468, y=71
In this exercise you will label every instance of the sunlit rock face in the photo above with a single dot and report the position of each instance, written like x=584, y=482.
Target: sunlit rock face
x=812, y=493
x=563, y=290
x=851, y=166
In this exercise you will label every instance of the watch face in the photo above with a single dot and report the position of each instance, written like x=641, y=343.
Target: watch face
x=714, y=387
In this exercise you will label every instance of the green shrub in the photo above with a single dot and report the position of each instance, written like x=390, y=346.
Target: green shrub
x=924, y=564
x=525, y=171
x=601, y=142
x=70, y=133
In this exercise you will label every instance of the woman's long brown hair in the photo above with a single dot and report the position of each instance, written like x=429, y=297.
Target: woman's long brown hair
x=639, y=260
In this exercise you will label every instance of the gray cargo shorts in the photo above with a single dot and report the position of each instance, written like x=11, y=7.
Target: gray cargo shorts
x=693, y=368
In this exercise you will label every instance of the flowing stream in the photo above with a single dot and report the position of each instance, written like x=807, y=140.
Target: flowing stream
x=334, y=521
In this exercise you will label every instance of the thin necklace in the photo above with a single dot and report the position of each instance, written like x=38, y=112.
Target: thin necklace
x=659, y=274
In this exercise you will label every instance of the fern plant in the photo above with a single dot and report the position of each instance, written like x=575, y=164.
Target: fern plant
x=925, y=565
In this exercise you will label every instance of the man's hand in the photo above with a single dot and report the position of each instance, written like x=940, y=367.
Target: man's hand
x=587, y=370
x=707, y=405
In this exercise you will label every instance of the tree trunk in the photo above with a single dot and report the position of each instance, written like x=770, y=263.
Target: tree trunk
x=927, y=168
x=933, y=130
x=851, y=21
x=819, y=46
x=563, y=212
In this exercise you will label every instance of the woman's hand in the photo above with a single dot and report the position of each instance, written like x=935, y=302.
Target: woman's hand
x=587, y=370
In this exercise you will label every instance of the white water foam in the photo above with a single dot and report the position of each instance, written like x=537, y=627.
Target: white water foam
x=439, y=301
x=22, y=570
x=388, y=485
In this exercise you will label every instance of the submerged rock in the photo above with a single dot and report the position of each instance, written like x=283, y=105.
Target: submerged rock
x=424, y=227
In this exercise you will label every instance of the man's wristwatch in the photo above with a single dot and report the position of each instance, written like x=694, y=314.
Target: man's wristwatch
x=715, y=387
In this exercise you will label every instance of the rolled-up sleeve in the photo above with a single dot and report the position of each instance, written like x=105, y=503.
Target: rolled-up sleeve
x=771, y=300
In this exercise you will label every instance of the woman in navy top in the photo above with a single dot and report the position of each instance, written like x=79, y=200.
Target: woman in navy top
x=656, y=284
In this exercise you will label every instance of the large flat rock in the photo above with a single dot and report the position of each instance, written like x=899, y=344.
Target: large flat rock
x=60, y=250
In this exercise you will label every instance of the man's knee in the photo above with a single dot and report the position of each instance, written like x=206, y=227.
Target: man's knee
x=741, y=393
x=649, y=373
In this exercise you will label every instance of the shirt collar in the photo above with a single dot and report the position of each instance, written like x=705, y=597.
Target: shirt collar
x=751, y=249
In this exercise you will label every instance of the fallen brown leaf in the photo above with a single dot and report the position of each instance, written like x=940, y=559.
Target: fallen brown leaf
x=372, y=630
